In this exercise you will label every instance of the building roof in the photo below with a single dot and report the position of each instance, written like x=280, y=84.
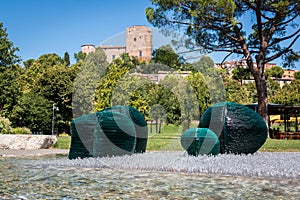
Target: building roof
x=277, y=109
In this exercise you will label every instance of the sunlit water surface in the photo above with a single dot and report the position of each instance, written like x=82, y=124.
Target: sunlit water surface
x=37, y=178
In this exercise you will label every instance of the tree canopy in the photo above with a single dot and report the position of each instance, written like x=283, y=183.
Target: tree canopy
x=8, y=55
x=256, y=31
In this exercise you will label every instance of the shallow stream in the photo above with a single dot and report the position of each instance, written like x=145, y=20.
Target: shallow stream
x=48, y=177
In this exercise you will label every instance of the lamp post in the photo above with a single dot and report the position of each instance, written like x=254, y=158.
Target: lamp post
x=188, y=112
x=54, y=108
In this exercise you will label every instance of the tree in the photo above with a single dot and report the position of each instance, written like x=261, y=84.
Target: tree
x=222, y=26
x=92, y=69
x=9, y=72
x=289, y=94
x=67, y=59
x=240, y=74
x=205, y=64
x=275, y=72
x=7, y=50
x=80, y=56
x=167, y=56
x=297, y=75
x=49, y=78
x=32, y=111
x=237, y=93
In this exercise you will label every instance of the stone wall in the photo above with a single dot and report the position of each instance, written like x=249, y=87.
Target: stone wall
x=25, y=142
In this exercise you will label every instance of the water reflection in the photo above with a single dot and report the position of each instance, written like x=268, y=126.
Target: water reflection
x=23, y=178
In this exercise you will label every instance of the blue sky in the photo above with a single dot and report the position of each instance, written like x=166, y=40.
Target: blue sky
x=38, y=27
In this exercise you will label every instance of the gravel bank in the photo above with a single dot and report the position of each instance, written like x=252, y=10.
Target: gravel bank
x=261, y=164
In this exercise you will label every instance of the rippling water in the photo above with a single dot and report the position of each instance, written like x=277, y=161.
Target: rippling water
x=25, y=178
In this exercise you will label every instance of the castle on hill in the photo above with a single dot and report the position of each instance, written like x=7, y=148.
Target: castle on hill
x=138, y=44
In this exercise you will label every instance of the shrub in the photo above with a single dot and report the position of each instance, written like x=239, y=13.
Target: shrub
x=5, y=127
x=21, y=130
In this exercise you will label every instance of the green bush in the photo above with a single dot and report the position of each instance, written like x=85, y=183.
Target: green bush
x=5, y=127
x=21, y=130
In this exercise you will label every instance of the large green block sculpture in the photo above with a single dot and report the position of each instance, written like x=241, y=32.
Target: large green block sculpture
x=139, y=123
x=105, y=133
x=200, y=141
x=239, y=128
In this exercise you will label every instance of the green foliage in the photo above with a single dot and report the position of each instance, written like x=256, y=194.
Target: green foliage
x=221, y=26
x=21, y=130
x=205, y=65
x=275, y=72
x=297, y=75
x=167, y=95
x=80, y=56
x=116, y=70
x=273, y=88
x=289, y=94
x=51, y=80
x=9, y=89
x=197, y=82
x=241, y=73
x=237, y=93
x=86, y=82
x=67, y=59
x=33, y=111
x=167, y=56
x=7, y=50
x=5, y=126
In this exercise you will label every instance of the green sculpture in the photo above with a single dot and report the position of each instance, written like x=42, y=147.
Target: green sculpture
x=239, y=128
x=201, y=141
x=140, y=125
x=105, y=133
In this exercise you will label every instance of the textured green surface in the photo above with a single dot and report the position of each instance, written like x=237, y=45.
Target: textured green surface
x=139, y=123
x=240, y=129
x=105, y=133
x=201, y=141
x=85, y=126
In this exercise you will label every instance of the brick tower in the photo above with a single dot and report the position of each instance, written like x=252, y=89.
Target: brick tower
x=139, y=42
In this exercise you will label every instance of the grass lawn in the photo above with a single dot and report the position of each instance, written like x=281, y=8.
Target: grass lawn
x=169, y=140
x=63, y=142
x=272, y=145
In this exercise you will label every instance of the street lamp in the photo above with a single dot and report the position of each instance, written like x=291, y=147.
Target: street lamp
x=188, y=112
x=54, y=108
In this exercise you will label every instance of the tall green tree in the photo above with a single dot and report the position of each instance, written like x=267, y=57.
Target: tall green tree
x=92, y=69
x=224, y=26
x=9, y=72
x=8, y=55
x=9, y=90
x=67, y=59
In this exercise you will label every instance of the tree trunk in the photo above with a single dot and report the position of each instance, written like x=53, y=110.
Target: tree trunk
x=261, y=88
x=262, y=95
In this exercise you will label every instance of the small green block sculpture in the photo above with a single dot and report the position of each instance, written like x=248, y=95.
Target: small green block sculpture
x=239, y=128
x=201, y=141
